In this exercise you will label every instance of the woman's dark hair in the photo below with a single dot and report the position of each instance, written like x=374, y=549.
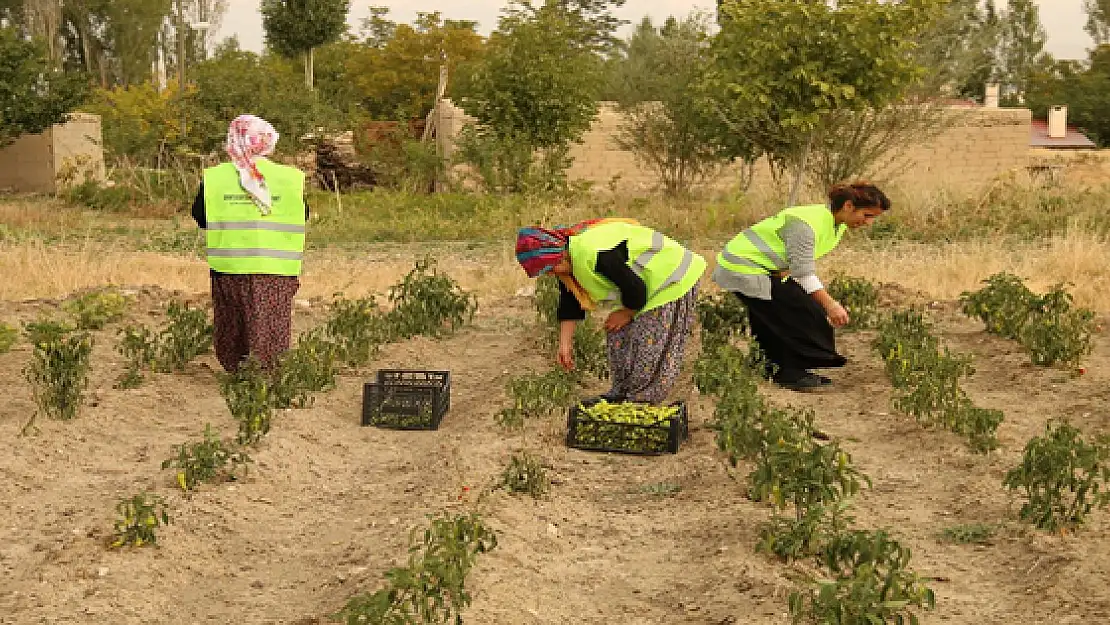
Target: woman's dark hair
x=860, y=194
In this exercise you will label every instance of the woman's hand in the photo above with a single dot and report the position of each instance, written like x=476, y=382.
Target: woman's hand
x=566, y=344
x=618, y=319
x=838, y=315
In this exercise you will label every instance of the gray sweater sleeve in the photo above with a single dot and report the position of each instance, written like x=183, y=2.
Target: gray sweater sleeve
x=801, y=245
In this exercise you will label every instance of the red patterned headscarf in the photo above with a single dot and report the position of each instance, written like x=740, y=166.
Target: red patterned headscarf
x=539, y=249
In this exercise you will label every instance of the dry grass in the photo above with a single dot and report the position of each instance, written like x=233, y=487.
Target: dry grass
x=940, y=271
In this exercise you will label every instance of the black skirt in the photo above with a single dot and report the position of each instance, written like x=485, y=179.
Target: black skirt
x=793, y=330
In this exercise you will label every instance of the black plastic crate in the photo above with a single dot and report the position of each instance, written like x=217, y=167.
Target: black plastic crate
x=665, y=437
x=407, y=399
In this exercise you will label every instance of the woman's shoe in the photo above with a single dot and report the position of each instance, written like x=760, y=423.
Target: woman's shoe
x=807, y=382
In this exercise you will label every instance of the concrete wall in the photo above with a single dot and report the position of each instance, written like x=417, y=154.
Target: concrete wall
x=982, y=145
x=70, y=151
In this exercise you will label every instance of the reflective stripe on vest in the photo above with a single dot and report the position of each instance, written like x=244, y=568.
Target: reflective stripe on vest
x=253, y=252
x=639, y=265
x=778, y=261
x=255, y=225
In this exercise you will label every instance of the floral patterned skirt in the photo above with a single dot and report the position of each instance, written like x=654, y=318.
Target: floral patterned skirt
x=646, y=355
x=252, y=316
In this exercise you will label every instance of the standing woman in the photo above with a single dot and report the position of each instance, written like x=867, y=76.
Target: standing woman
x=771, y=267
x=254, y=214
x=655, y=281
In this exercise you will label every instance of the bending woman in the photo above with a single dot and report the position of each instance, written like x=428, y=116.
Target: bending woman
x=254, y=214
x=771, y=267
x=653, y=278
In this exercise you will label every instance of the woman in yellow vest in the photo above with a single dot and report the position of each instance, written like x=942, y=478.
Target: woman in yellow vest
x=254, y=213
x=655, y=281
x=771, y=267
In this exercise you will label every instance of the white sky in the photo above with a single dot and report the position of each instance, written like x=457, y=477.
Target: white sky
x=1063, y=19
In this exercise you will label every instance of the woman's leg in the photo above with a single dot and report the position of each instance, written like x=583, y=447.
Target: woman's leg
x=654, y=347
x=763, y=317
x=793, y=332
x=229, y=337
x=270, y=316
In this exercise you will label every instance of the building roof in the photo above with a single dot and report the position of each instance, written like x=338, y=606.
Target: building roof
x=1073, y=139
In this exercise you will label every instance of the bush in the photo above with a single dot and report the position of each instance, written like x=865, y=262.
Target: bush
x=310, y=367
x=428, y=303
x=723, y=317
x=860, y=297
x=187, y=336
x=525, y=474
x=248, y=398
x=205, y=461
x=431, y=588
x=536, y=395
x=140, y=516
x=97, y=309
x=59, y=374
x=1062, y=476
x=8, y=337
x=357, y=328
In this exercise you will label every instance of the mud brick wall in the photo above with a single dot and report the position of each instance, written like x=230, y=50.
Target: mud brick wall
x=982, y=145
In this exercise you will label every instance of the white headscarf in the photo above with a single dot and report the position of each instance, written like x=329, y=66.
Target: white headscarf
x=248, y=139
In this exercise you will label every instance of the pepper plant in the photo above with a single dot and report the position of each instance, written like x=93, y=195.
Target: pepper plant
x=140, y=517
x=205, y=461
x=59, y=374
x=428, y=303
x=1063, y=476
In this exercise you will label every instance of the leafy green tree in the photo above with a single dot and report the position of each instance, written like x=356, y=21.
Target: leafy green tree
x=780, y=66
x=1023, y=42
x=398, y=78
x=234, y=82
x=533, y=93
x=33, y=95
x=1098, y=20
x=297, y=27
x=1083, y=87
x=667, y=129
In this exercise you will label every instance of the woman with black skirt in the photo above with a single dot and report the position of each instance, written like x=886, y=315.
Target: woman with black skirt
x=772, y=268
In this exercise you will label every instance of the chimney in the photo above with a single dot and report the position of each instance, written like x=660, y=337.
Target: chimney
x=1058, y=122
x=992, y=96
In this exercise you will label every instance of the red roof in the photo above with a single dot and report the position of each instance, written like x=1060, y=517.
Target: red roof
x=1073, y=139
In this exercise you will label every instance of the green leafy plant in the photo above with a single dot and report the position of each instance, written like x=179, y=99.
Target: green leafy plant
x=97, y=309
x=187, y=336
x=46, y=331
x=969, y=534
x=536, y=395
x=526, y=474
x=1057, y=333
x=431, y=588
x=59, y=374
x=722, y=318
x=310, y=367
x=139, y=345
x=722, y=366
x=794, y=538
x=205, y=461
x=1003, y=305
x=140, y=517
x=428, y=303
x=247, y=394
x=1048, y=326
x=591, y=351
x=1062, y=477
x=8, y=337
x=357, y=327
x=859, y=296
x=871, y=584
x=928, y=380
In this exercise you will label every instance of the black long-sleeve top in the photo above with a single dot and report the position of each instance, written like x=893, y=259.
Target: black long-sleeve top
x=201, y=217
x=613, y=265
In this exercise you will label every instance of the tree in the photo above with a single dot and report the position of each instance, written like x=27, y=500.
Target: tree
x=234, y=82
x=1098, y=20
x=398, y=78
x=1083, y=87
x=33, y=94
x=534, y=92
x=1023, y=42
x=297, y=27
x=666, y=128
x=781, y=66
